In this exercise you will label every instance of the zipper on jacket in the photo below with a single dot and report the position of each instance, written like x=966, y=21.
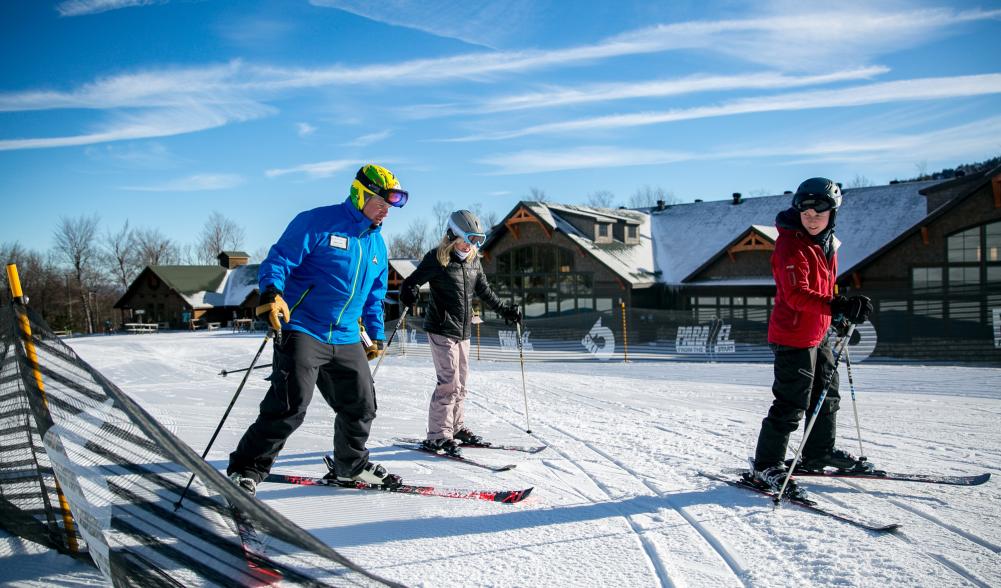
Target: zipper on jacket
x=301, y=298
x=330, y=333
x=354, y=282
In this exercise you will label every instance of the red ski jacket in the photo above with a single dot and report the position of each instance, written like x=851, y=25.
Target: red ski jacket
x=804, y=286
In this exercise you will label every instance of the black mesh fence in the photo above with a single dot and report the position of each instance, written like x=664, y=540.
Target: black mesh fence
x=87, y=471
x=906, y=325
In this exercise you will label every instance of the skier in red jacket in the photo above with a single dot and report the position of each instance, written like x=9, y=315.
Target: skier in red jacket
x=805, y=267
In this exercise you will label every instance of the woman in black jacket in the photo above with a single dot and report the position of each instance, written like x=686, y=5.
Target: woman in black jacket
x=455, y=275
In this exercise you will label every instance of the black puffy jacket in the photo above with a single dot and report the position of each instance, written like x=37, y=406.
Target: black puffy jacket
x=452, y=288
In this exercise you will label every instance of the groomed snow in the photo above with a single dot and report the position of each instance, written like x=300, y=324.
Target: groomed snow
x=618, y=500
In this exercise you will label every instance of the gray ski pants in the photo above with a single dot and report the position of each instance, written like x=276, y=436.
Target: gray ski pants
x=451, y=364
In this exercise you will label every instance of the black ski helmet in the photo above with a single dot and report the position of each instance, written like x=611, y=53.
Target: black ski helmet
x=464, y=224
x=819, y=194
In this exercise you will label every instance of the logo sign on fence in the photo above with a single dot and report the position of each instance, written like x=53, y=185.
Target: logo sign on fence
x=509, y=340
x=599, y=341
x=713, y=337
x=997, y=327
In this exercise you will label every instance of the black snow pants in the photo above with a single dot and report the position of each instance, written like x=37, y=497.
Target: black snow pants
x=343, y=377
x=800, y=376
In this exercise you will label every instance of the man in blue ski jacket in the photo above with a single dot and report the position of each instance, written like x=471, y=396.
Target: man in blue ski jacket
x=325, y=275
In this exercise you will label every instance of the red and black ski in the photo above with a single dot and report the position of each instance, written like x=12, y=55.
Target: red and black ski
x=804, y=503
x=505, y=496
x=485, y=445
x=461, y=459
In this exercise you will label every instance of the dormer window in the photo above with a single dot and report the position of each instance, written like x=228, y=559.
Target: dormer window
x=604, y=230
x=632, y=232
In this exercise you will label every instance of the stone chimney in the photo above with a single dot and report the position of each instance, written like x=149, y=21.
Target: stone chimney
x=661, y=205
x=736, y=198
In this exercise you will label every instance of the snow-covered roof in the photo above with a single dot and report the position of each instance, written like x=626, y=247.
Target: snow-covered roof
x=236, y=285
x=686, y=235
x=631, y=262
x=405, y=267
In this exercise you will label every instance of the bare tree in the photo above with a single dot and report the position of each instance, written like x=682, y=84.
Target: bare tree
x=860, y=182
x=414, y=243
x=601, y=199
x=120, y=255
x=489, y=219
x=154, y=248
x=647, y=197
x=260, y=254
x=537, y=195
x=77, y=245
x=218, y=234
x=441, y=211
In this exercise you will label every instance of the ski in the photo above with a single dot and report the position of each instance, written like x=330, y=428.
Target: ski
x=521, y=448
x=253, y=548
x=462, y=459
x=974, y=480
x=505, y=496
x=806, y=504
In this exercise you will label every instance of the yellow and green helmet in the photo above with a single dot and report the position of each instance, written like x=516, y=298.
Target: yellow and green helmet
x=375, y=179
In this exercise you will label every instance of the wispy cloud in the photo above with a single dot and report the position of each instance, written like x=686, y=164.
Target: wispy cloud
x=369, y=139
x=161, y=122
x=319, y=169
x=194, y=183
x=82, y=7
x=652, y=89
x=304, y=129
x=884, y=92
x=150, y=155
x=968, y=140
x=487, y=24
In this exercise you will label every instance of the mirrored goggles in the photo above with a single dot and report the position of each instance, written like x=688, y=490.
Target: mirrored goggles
x=392, y=196
x=815, y=204
x=474, y=239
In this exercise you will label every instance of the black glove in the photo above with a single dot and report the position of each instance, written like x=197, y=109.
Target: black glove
x=408, y=296
x=510, y=313
x=855, y=309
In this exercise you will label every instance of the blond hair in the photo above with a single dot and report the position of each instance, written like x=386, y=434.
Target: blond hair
x=446, y=247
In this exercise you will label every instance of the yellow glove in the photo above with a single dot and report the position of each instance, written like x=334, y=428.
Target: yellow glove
x=274, y=306
x=373, y=349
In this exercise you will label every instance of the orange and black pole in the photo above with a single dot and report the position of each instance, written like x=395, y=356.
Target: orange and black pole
x=29, y=349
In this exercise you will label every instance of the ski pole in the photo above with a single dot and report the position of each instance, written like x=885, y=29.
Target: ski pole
x=851, y=386
x=524, y=389
x=239, y=389
x=224, y=373
x=816, y=411
x=390, y=341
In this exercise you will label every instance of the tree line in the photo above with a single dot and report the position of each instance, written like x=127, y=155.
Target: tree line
x=75, y=284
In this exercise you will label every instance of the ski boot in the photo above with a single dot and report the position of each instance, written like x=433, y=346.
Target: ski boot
x=841, y=460
x=442, y=447
x=771, y=479
x=245, y=483
x=468, y=437
x=372, y=474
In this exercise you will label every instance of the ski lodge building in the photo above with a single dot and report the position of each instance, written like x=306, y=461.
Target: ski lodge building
x=928, y=253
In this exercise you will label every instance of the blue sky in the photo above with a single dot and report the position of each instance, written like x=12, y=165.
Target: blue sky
x=160, y=112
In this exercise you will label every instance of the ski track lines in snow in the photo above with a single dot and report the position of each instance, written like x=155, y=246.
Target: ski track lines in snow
x=617, y=498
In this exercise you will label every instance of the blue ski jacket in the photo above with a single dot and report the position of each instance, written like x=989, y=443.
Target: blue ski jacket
x=331, y=267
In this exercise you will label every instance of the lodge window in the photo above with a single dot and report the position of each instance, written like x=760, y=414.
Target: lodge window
x=632, y=232
x=604, y=230
x=542, y=278
x=926, y=277
x=974, y=255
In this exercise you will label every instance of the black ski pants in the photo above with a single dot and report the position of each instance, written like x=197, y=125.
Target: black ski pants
x=343, y=377
x=800, y=376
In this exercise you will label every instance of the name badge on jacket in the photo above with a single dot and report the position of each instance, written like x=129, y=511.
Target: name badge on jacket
x=338, y=241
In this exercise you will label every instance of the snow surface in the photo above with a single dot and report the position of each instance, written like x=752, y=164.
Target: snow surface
x=618, y=499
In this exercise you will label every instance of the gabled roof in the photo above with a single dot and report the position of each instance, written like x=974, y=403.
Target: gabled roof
x=969, y=184
x=405, y=267
x=203, y=286
x=633, y=263
x=770, y=234
x=686, y=235
x=233, y=254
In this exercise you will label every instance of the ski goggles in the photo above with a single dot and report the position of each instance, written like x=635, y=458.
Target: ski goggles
x=815, y=204
x=392, y=196
x=475, y=239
